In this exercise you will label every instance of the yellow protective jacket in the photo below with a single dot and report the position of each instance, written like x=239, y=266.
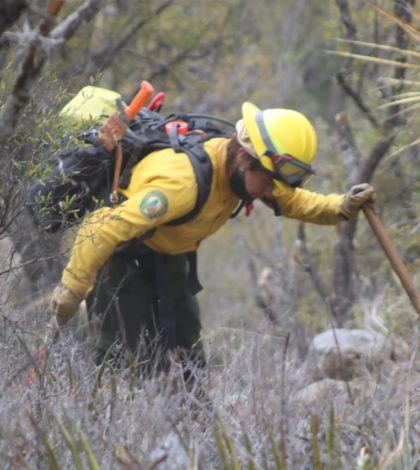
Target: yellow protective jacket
x=162, y=188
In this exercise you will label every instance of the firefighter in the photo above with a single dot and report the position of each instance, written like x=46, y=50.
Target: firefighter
x=143, y=287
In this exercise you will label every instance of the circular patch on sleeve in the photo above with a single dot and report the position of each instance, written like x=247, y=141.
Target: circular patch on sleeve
x=154, y=204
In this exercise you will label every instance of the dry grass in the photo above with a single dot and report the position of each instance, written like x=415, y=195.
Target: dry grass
x=65, y=412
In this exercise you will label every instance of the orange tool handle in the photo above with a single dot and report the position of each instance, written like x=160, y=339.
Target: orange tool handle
x=145, y=92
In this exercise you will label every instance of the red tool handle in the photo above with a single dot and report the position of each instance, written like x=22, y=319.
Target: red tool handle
x=145, y=92
x=157, y=101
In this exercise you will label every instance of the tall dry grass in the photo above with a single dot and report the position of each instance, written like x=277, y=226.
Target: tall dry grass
x=62, y=411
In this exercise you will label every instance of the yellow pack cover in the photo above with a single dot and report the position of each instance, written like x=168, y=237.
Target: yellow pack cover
x=91, y=104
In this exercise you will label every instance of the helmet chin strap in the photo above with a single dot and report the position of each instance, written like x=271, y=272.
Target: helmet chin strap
x=237, y=183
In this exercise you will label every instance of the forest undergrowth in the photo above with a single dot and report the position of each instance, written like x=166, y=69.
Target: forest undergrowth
x=249, y=409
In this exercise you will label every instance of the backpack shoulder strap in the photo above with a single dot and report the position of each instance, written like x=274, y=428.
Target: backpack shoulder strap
x=193, y=146
x=152, y=131
x=203, y=171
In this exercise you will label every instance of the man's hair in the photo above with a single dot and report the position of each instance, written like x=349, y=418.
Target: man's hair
x=252, y=163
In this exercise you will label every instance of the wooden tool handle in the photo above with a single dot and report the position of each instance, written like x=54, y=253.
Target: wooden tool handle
x=394, y=258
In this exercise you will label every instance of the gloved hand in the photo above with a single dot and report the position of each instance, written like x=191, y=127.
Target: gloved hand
x=64, y=303
x=358, y=195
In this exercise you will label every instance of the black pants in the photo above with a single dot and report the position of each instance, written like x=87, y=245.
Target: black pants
x=126, y=300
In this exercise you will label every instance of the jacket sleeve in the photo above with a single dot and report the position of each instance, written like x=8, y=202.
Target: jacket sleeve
x=309, y=206
x=103, y=230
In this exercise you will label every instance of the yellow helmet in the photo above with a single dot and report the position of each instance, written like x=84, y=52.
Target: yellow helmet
x=284, y=141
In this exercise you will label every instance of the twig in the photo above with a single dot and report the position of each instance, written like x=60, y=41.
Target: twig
x=320, y=287
x=309, y=267
x=348, y=89
x=375, y=156
x=351, y=153
x=28, y=263
x=384, y=47
x=401, y=39
x=106, y=56
x=346, y=18
x=377, y=60
x=340, y=360
x=283, y=421
x=408, y=28
x=16, y=326
x=68, y=27
x=249, y=261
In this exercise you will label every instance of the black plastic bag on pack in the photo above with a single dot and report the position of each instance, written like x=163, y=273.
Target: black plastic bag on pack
x=74, y=186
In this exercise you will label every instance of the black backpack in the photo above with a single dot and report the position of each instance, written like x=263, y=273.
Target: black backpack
x=80, y=179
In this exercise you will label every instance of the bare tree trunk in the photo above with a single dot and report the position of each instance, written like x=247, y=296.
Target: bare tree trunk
x=39, y=252
x=34, y=58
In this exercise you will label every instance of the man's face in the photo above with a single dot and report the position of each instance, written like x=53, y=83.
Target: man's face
x=258, y=184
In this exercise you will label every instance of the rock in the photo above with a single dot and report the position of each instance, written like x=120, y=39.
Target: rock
x=170, y=453
x=400, y=350
x=320, y=391
x=360, y=351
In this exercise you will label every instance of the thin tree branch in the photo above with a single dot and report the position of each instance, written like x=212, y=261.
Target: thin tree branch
x=407, y=27
x=308, y=265
x=375, y=156
x=404, y=13
x=346, y=19
x=31, y=262
x=106, y=56
x=351, y=153
x=358, y=100
x=249, y=260
x=69, y=26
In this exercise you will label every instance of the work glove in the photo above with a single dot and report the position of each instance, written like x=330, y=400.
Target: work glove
x=358, y=195
x=64, y=303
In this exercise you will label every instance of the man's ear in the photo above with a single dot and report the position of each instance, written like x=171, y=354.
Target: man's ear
x=241, y=159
